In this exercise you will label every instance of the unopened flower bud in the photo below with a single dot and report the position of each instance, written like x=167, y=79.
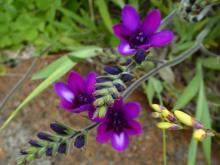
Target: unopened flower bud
x=199, y=134
x=126, y=77
x=62, y=148
x=46, y=136
x=114, y=70
x=103, y=79
x=49, y=151
x=59, y=128
x=197, y=124
x=184, y=118
x=100, y=112
x=156, y=115
x=168, y=126
x=169, y=116
x=158, y=107
x=140, y=56
x=120, y=87
x=80, y=141
x=35, y=143
x=187, y=119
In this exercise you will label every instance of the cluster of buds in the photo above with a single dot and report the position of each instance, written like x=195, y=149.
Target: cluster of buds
x=109, y=87
x=178, y=120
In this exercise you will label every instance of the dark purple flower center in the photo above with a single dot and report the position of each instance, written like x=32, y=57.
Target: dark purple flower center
x=116, y=121
x=83, y=99
x=137, y=39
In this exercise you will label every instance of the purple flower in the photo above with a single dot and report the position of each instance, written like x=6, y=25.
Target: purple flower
x=119, y=124
x=135, y=35
x=76, y=96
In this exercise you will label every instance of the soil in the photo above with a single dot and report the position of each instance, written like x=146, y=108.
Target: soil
x=40, y=112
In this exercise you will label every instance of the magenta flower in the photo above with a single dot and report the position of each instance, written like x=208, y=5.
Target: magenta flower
x=135, y=35
x=76, y=96
x=119, y=124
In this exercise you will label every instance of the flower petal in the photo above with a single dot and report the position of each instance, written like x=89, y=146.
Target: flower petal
x=64, y=91
x=161, y=38
x=66, y=105
x=82, y=108
x=125, y=49
x=120, y=141
x=103, y=136
x=90, y=82
x=76, y=82
x=135, y=128
x=121, y=31
x=151, y=22
x=130, y=18
x=132, y=109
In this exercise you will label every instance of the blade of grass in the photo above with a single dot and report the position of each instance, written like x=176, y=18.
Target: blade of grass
x=103, y=9
x=52, y=78
x=188, y=93
x=202, y=114
x=77, y=55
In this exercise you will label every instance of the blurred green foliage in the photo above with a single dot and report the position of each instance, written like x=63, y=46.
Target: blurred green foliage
x=60, y=22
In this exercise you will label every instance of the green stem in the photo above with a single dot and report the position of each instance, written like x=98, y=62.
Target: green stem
x=164, y=135
x=164, y=148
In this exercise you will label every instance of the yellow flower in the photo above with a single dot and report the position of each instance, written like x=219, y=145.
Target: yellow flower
x=199, y=134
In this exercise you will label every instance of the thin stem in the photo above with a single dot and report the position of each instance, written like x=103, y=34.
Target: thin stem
x=164, y=148
x=23, y=78
x=163, y=134
x=208, y=52
x=168, y=18
x=91, y=10
x=87, y=129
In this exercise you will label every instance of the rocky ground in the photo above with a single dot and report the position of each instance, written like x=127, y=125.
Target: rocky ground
x=37, y=115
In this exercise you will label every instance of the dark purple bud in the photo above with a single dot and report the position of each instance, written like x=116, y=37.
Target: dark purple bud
x=126, y=77
x=58, y=128
x=45, y=136
x=34, y=143
x=103, y=79
x=128, y=62
x=49, y=151
x=62, y=148
x=114, y=70
x=120, y=87
x=23, y=152
x=80, y=141
x=140, y=56
x=198, y=125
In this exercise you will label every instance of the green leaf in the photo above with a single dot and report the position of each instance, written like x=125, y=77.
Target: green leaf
x=80, y=53
x=85, y=52
x=192, y=152
x=211, y=63
x=47, y=71
x=103, y=9
x=189, y=92
x=157, y=85
x=41, y=87
x=153, y=86
x=203, y=115
x=149, y=90
x=206, y=120
x=119, y=3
